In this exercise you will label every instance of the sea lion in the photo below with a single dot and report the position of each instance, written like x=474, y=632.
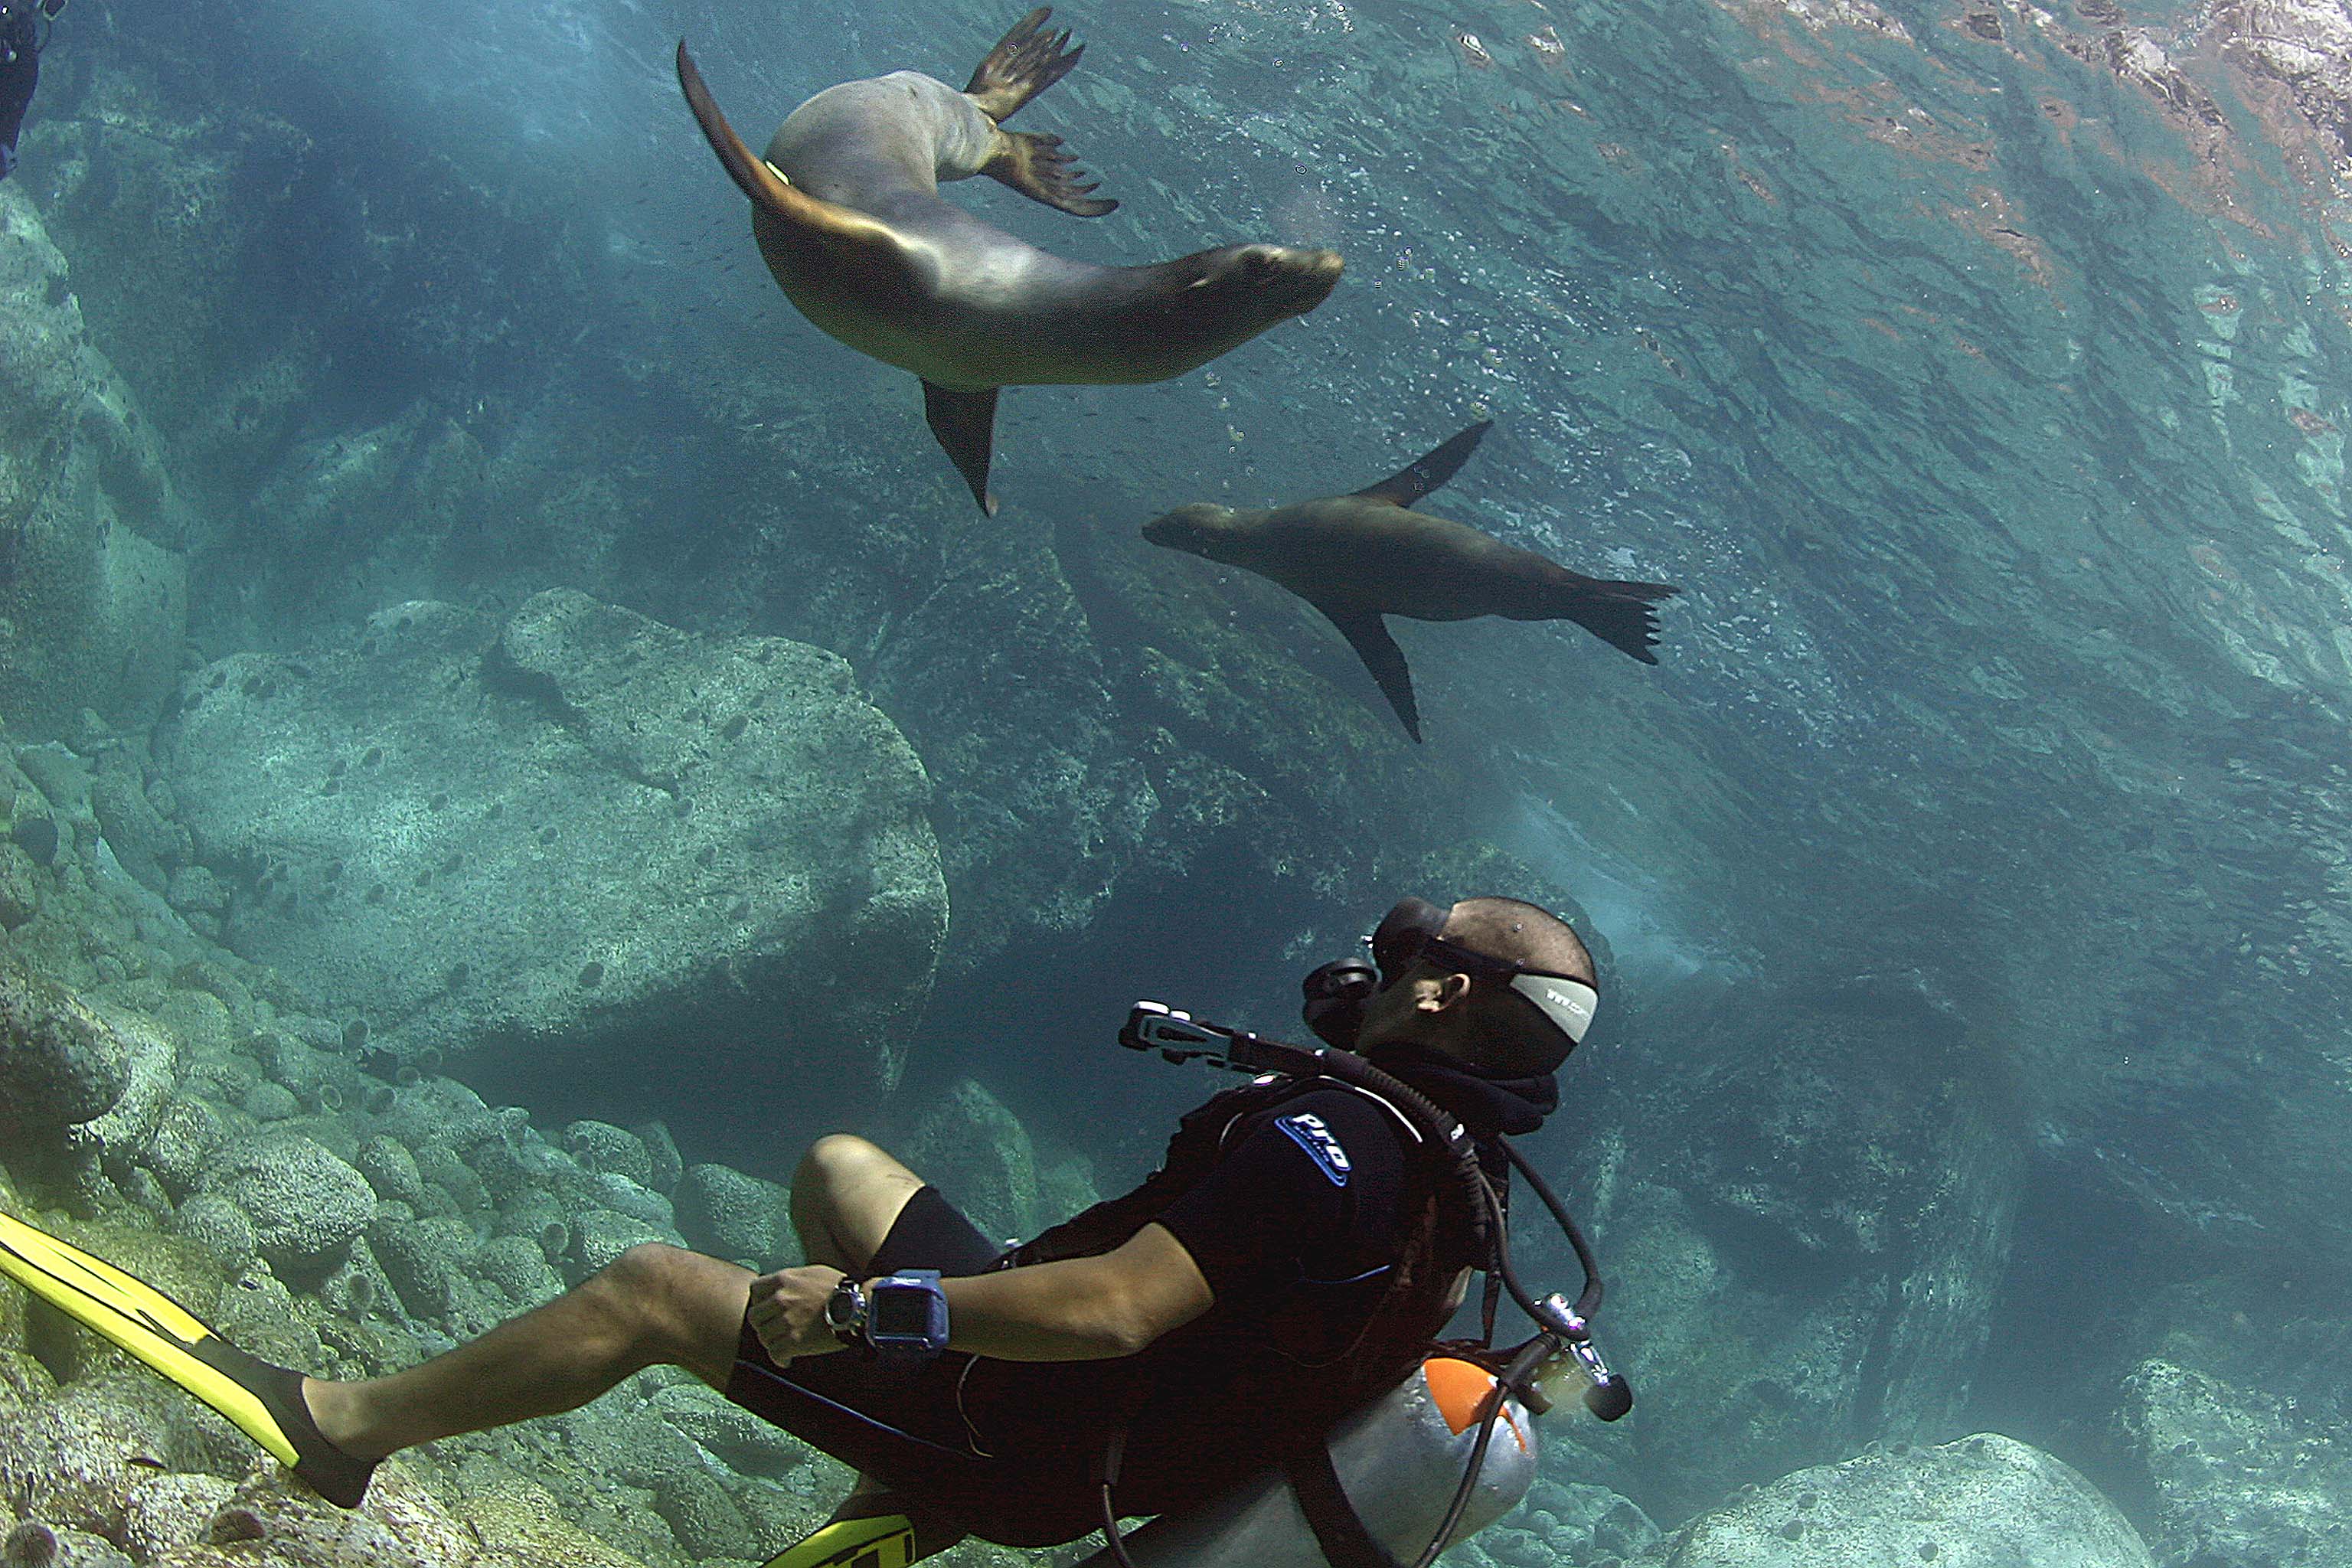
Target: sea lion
x=1359, y=557
x=848, y=214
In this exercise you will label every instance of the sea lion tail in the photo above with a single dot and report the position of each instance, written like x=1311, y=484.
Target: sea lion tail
x=1623, y=614
x=1024, y=63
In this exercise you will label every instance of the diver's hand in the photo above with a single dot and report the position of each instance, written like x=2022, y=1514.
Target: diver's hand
x=788, y=1312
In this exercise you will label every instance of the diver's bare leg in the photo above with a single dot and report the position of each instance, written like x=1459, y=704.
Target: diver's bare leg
x=652, y=1305
x=846, y=1195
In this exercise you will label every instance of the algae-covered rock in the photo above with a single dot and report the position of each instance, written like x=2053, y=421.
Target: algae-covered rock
x=422, y=1258
x=60, y=1062
x=2242, y=1477
x=727, y=1214
x=1824, y=1261
x=35, y=1543
x=601, y=1236
x=20, y=886
x=603, y=1148
x=391, y=1170
x=1986, y=1501
x=144, y=843
x=667, y=1164
x=529, y=1527
x=702, y=1515
x=181, y=1149
x=218, y=1224
x=305, y=1204
x=1565, y=1521
x=706, y=861
x=70, y=1460
x=519, y=1266
x=741, y=1440
x=169, y=1509
x=152, y=1059
x=273, y=1521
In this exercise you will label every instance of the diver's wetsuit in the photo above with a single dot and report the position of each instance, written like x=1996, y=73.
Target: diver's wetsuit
x=1296, y=1213
x=19, y=37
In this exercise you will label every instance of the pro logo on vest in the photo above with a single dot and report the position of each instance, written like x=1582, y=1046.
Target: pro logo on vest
x=1308, y=1131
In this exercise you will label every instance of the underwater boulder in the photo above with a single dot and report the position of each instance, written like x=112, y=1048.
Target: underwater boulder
x=727, y=1214
x=586, y=860
x=976, y=1152
x=2240, y=1476
x=306, y=1204
x=60, y=1063
x=1986, y=1501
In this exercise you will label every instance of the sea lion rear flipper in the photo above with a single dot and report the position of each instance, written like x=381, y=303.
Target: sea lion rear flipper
x=1623, y=614
x=1036, y=167
x=1425, y=473
x=1369, y=635
x=965, y=423
x=1024, y=63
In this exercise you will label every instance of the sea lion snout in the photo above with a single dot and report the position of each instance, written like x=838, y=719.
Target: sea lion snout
x=1188, y=528
x=1294, y=279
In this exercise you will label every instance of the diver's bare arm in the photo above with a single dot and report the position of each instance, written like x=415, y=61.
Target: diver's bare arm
x=1082, y=1309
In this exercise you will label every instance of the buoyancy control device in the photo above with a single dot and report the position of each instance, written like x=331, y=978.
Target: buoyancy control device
x=1439, y=1457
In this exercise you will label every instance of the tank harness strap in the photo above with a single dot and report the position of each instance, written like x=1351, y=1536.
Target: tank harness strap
x=1338, y=1529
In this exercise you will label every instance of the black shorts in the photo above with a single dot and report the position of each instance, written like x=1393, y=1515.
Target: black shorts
x=903, y=1426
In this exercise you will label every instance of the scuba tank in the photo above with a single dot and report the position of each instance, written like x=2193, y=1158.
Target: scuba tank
x=1441, y=1456
x=1399, y=1461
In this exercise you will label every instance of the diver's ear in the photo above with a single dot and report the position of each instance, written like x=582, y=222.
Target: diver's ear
x=1447, y=992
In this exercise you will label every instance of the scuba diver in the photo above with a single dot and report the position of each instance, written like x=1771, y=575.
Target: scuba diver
x=1293, y=1260
x=24, y=33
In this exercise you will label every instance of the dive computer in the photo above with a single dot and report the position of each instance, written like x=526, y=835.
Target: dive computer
x=907, y=1316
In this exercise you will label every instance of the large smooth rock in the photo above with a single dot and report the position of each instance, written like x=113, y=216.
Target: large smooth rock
x=596, y=858
x=93, y=592
x=1986, y=1501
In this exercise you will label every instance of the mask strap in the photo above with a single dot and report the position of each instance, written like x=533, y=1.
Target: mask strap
x=1569, y=1004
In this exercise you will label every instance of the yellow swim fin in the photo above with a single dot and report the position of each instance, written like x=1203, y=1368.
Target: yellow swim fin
x=886, y=1541
x=262, y=1400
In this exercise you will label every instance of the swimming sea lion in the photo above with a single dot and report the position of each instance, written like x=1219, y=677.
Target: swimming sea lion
x=848, y=214
x=1359, y=557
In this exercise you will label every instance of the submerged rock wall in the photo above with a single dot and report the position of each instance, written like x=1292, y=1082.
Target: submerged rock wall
x=93, y=588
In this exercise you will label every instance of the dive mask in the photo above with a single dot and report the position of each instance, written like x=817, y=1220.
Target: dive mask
x=1410, y=931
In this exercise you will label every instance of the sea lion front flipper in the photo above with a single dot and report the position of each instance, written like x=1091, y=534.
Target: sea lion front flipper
x=965, y=423
x=1037, y=167
x=1425, y=473
x=1369, y=635
x=853, y=236
x=1024, y=63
